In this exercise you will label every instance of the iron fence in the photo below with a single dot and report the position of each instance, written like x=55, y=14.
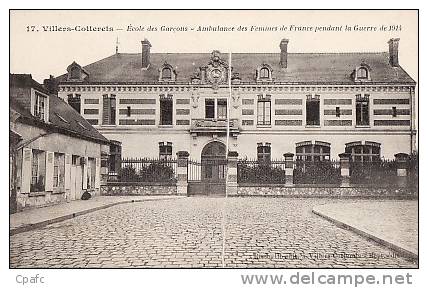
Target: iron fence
x=145, y=170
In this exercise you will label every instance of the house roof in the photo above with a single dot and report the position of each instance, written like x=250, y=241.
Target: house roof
x=62, y=116
x=316, y=68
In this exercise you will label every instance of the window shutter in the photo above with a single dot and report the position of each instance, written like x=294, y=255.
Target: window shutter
x=106, y=110
x=85, y=174
x=67, y=176
x=97, y=172
x=26, y=170
x=49, y=170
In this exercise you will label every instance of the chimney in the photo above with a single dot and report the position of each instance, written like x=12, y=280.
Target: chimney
x=393, y=52
x=145, y=54
x=283, y=45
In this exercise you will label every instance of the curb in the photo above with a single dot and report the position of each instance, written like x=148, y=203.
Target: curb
x=34, y=226
x=401, y=251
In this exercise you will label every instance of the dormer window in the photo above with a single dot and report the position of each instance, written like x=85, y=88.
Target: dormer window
x=362, y=73
x=40, y=106
x=264, y=73
x=76, y=72
x=167, y=73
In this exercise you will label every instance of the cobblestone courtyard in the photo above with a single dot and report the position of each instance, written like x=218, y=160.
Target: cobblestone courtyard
x=260, y=232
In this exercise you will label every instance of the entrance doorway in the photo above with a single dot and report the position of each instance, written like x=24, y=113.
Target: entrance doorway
x=213, y=168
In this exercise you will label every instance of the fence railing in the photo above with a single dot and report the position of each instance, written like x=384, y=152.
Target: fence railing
x=145, y=170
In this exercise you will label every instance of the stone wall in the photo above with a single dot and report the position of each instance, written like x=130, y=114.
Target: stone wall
x=32, y=200
x=120, y=189
x=301, y=191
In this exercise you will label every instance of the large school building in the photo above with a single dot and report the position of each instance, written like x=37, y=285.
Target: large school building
x=314, y=105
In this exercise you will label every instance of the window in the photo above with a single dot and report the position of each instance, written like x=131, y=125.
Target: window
x=221, y=108
x=166, y=74
x=362, y=73
x=263, y=153
x=166, y=110
x=308, y=151
x=59, y=170
x=165, y=150
x=264, y=73
x=362, y=110
x=38, y=171
x=209, y=108
x=128, y=111
x=40, y=106
x=337, y=111
x=109, y=110
x=263, y=110
x=74, y=101
x=313, y=110
x=75, y=73
x=394, y=111
x=90, y=175
x=363, y=152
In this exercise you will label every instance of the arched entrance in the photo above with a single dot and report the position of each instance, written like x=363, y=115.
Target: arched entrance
x=208, y=177
x=213, y=168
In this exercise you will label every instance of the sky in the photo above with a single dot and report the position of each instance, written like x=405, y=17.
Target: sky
x=49, y=53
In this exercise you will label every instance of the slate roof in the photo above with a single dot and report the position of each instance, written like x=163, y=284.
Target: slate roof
x=62, y=117
x=322, y=68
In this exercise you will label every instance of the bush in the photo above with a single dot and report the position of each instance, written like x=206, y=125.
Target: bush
x=157, y=172
x=260, y=173
x=321, y=172
x=128, y=174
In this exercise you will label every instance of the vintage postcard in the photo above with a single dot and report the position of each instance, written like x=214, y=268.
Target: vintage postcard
x=214, y=139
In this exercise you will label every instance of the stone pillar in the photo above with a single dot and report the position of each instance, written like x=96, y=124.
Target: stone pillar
x=232, y=173
x=289, y=168
x=402, y=160
x=182, y=161
x=344, y=169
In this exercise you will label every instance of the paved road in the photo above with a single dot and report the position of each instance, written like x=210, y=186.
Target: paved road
x=260, y=232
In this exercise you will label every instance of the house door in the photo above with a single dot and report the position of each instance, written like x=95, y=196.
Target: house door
x=214, y=168
x=73, y=182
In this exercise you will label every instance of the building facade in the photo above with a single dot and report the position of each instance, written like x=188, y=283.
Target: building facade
x=55, y=153
x=314, y=105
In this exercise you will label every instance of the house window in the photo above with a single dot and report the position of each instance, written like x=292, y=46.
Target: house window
x=166, y=74
x=90, y=175
x=222, y=108
x=263, y=110
x=38, y=171
x=166, y=110
x=362, y=73
x=363, y=152
x=128, y=111
x=40, y=106
x=209, y=108
x=337, y=111
x=109, y=110
x=75, y=73
x=362, y=110
x=263, y=153
x=313, y=110
x=264, y=73
x=59, y=170
x=394, y=111
x=74, y=101
x=165, y=150
x=308, y=151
